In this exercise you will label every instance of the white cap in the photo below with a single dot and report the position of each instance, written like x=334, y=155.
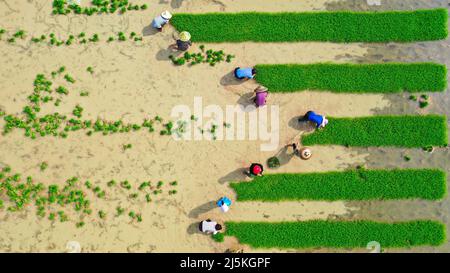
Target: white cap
x=166, y=15
x=224, y=207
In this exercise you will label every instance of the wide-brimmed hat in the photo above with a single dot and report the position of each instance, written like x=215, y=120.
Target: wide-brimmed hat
x=261, y=88
x=166, y=15
x=185, y=36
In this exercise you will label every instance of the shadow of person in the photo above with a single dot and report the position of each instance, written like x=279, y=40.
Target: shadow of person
x=246, y=100
x=202, y=209
x=236, y=175
x=175, y=4
x=163, y=54
x=149, y=30
x=230, y=79
x=193, y=228
x=284, y=156
x=301, y=125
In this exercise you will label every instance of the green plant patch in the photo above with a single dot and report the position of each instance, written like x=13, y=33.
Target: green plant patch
x=209, y=56
x=337, y=234
x=358, y=184
x=62, y=7
x=53, y=40
x=338, y=26
x=354, y=78
x=398, y=131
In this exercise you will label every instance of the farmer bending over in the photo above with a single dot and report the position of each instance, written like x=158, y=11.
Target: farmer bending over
x=244, y=73
x=261, y=94
x=183, y=42
x=224, y=204
x=161, y=20
x=208, y=227
x=319, y=120
x=255, y=169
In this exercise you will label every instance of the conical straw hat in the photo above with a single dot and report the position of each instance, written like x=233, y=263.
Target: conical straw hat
x=185, y=36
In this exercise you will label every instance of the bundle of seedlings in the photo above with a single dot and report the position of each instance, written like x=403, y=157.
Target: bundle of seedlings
x=62, y=7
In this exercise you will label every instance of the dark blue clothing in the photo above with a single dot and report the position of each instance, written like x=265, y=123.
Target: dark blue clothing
x=313, y=117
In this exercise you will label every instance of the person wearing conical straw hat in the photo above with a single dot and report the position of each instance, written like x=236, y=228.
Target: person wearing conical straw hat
x=161, y=20
x=183, y=42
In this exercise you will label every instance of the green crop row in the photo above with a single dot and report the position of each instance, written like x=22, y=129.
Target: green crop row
x=340, y=26
x=348, y=185
x=354, y=78
x=336, y=234
x=399, y=131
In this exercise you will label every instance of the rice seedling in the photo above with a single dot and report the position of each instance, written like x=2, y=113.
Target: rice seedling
x=127, y=146
x=90, y=69
x=133, y=195
x=148, y=198
x=125, y=184
x=94, y=38
x=273, y=162
x=121, y=36
x=119, y=211
x=102, y=214
x=112, y=183
x=78, y=111
x=19, y=34
x=144, y=185
x=43, y=166
x=218, y=237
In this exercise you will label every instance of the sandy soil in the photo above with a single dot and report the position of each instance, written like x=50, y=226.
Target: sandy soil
x=134, y=81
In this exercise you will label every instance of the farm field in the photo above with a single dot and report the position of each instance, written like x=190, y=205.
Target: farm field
x=89, y=139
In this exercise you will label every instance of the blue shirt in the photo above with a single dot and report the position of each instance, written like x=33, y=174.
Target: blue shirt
x=317, y=119
x=244, y=73
x=224, y=200
x=159, y=22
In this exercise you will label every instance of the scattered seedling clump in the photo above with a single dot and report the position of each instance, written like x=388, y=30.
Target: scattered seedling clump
x=72, y=39
x=209, y=56
x=62, y=7
x=69, y=202
x=58, y=125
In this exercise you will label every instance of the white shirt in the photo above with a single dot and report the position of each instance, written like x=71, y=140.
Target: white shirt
x=209, y=227
x=324, y=122
x=159, y=22
x=224, y=208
